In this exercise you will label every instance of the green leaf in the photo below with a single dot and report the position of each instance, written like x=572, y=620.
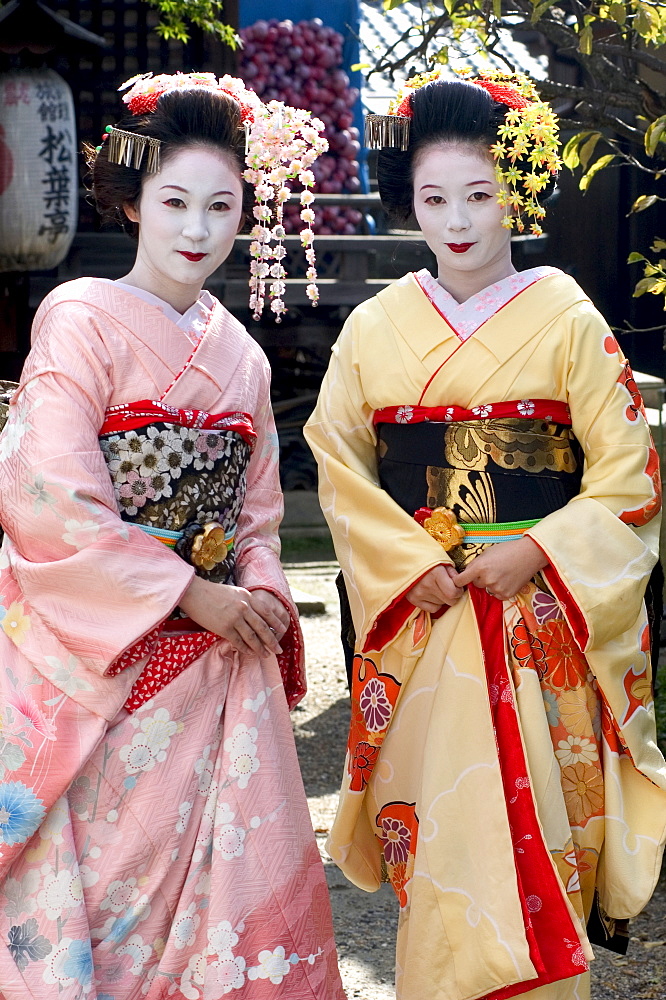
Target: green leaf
x=644, y=19
x=643, y=202
x=392, y=4
x=658, y=245
x=497, y=8
x=585, y=41
x=587, y=149
x=654, y=135
x=540, y=9
x=634, y=257
x=570, y=152
x=643, y=286
x=617, y=12
x=176, y=16
x=11, y=756
x=355, y=67
x=598, y=165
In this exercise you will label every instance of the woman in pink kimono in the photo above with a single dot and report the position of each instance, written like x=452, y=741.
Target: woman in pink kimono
x=154, y=834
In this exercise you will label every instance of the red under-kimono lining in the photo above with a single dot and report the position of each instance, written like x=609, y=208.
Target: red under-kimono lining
x=573, y=614
x=168, y=655
x=131, y=416
x=555, y=949
x=526, y=409
x=392, y=619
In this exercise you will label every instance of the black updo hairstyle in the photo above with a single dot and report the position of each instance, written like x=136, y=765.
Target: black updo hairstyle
x=444, y=111
x=183, y=117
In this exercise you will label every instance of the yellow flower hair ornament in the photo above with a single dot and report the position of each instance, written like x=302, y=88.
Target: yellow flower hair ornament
x=525, y=153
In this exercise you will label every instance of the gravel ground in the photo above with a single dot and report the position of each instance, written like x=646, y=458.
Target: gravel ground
x=365, y=923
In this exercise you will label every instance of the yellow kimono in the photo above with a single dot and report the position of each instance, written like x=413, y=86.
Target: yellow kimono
x=502, y=768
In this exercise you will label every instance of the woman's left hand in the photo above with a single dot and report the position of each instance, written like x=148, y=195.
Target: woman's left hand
x=272, y=610
x=504, y=568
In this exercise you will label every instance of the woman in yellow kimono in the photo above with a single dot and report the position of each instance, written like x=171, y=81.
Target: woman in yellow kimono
x=493, y=493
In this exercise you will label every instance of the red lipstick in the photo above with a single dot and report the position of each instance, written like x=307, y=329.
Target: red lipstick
x=192, y=256
x=459, y=247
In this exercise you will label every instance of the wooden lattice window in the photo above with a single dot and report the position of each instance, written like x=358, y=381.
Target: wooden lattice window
x=134, y=47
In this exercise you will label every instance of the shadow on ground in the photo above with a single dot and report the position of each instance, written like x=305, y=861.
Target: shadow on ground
x=322, y=772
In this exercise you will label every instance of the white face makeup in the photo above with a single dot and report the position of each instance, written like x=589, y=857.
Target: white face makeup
x=188, y=216
x=455, y=203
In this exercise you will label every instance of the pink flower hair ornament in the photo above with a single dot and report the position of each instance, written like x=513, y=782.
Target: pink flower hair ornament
x=281, y=144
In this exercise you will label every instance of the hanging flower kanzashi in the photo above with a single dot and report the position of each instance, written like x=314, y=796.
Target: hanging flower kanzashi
x=281, y=144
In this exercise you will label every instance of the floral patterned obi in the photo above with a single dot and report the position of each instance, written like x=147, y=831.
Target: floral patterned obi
x=180, y=475
x=495, y=464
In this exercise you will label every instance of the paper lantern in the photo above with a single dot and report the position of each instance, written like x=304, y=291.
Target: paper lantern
x=38, y=170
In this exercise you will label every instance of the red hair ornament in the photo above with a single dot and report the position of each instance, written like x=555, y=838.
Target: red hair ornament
x=503, y=93
x=143, y=104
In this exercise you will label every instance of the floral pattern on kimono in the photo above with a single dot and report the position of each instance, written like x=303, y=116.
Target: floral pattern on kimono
x=567, y=659
x=166, y=851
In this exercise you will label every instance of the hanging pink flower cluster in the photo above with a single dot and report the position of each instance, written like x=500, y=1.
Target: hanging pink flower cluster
x=283, y=143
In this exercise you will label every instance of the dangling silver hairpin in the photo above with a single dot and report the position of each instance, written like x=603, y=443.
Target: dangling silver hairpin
x=387, y=130
x=127, y=149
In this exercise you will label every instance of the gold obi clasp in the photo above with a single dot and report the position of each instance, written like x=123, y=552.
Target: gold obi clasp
x=210, y=547
x=443, y=525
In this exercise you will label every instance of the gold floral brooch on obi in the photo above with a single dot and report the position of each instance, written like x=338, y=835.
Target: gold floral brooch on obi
x=210, y=547
x=442, y=524
x=205, y=545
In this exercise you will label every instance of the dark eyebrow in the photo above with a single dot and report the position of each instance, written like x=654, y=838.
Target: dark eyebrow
x=185, y=191
x=438, y=186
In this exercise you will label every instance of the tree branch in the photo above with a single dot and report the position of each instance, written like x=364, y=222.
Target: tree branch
x=635, y=55
x=420, y=50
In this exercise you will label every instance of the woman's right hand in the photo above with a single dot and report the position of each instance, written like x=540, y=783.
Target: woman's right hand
x=232, y=613
x=436, y=588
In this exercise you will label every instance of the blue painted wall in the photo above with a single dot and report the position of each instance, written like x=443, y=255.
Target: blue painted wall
x=343, y=15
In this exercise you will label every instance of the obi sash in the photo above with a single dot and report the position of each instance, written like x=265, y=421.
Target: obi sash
x=498, y=468
x=179, y=475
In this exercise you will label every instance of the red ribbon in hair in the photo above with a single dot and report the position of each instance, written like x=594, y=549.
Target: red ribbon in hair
x=141, y=104
x=404, y=109
x=504, y=93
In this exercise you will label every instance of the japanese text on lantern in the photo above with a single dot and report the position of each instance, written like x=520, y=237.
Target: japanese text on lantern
x=56, y=151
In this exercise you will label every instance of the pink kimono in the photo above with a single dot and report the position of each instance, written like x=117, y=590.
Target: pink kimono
x=154, y=835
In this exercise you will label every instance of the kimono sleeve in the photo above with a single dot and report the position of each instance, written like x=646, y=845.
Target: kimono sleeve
x=603, y=544
x=257, y=539
x=87, y=584
x=381, y=549
x=258, y=564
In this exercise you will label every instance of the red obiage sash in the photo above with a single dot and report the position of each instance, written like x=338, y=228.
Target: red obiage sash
x=536, y=409
x=131, y=416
